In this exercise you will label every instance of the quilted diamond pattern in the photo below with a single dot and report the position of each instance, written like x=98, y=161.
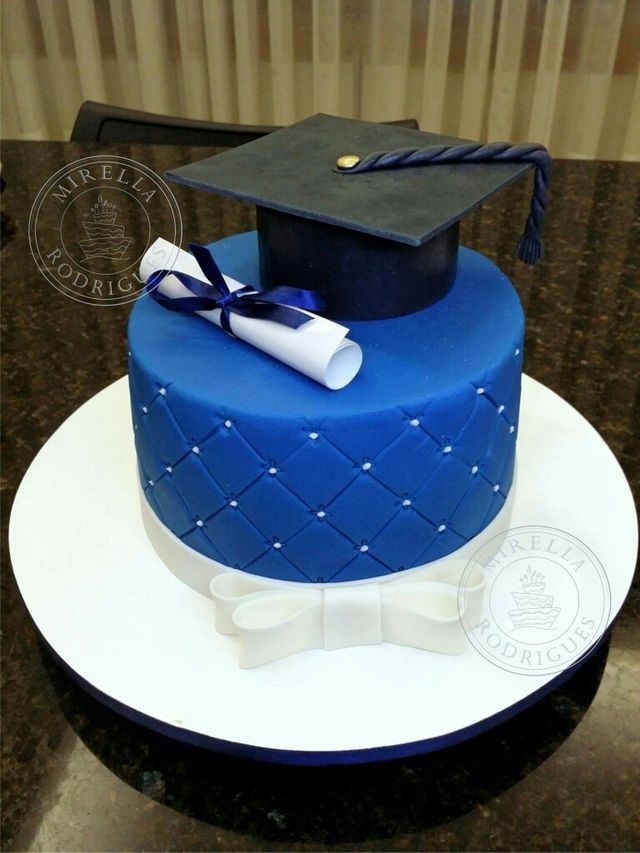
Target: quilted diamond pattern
x=151, y=497
x=236, y=538
x=169, y=442
x=446, y=418
x=410, y=528
x=274, y=509
x=310, y=546
x=493, y=462
x=406, y=463
x=317, y=501
x=442, y=491
x=176, y=513
x=475, y=436
x=479, y=506
x=199, y=541
x=273, y=445
x=151, y=466
x=194, y=484
x=363, y=508
x=384, y=430
x=332, y=472
x=444, y=543
x=229, y=459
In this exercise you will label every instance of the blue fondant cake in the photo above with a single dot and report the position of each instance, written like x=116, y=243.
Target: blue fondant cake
x=264, y=470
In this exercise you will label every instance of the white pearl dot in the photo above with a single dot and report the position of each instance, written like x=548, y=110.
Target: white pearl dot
x=277, y=545
x=496, y=488
x=500, y=409
x=517, y=352
x=162, y=391
x=479, y=390
x=364, y=548
x=129, y=352
x=200, y=523
x=273, y=471
x=414, y=422
x=233, y=503
x=145, y=410
x=169, y=469
x=151, y=483
x=228, y=424
x=474, y=470
x=366, y=466
x=195, y=450
x=442, y=528
x=512, y=428
x=447, y=449
x=406, y=502
x=321, y=513
x=313, y=435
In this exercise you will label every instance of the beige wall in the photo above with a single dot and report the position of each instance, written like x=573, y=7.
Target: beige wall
x=562, y=72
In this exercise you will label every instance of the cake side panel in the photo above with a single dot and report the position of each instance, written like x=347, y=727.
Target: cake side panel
x=328, y=498
x=332, y=500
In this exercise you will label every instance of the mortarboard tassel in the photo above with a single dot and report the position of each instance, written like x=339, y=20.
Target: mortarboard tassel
x=530, y=244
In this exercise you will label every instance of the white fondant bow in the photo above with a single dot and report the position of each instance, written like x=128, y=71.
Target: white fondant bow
x=274, y=622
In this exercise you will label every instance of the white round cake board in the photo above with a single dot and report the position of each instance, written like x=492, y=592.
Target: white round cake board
x=145, y=643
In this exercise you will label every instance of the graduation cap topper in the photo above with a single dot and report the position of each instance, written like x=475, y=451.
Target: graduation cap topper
x=378, y=240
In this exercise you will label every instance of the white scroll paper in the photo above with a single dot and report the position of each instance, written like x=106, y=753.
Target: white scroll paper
x=320, y=349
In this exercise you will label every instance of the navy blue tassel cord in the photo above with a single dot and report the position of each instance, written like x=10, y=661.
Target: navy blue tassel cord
x=530, y=245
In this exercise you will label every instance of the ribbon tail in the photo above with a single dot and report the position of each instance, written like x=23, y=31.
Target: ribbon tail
x=209, y=267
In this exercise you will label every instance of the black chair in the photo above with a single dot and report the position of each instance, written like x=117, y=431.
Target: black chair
x=97, y=122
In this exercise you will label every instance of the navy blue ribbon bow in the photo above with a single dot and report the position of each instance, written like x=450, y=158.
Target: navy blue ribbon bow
x=279, y=304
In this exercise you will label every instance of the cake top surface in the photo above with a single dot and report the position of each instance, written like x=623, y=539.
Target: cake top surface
x=407, y=360
x=293, y=170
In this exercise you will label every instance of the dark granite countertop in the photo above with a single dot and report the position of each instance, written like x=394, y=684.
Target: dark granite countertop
x=565, y=774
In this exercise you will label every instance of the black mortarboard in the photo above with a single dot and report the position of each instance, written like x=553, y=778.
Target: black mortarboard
x=378, y=238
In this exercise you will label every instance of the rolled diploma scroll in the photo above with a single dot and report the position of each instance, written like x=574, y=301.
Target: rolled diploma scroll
x=319, y=349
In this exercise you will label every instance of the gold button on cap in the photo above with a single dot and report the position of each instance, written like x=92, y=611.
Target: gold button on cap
x=347, y=161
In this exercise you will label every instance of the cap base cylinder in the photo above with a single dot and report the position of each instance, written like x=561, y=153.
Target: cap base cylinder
x=362, y=277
